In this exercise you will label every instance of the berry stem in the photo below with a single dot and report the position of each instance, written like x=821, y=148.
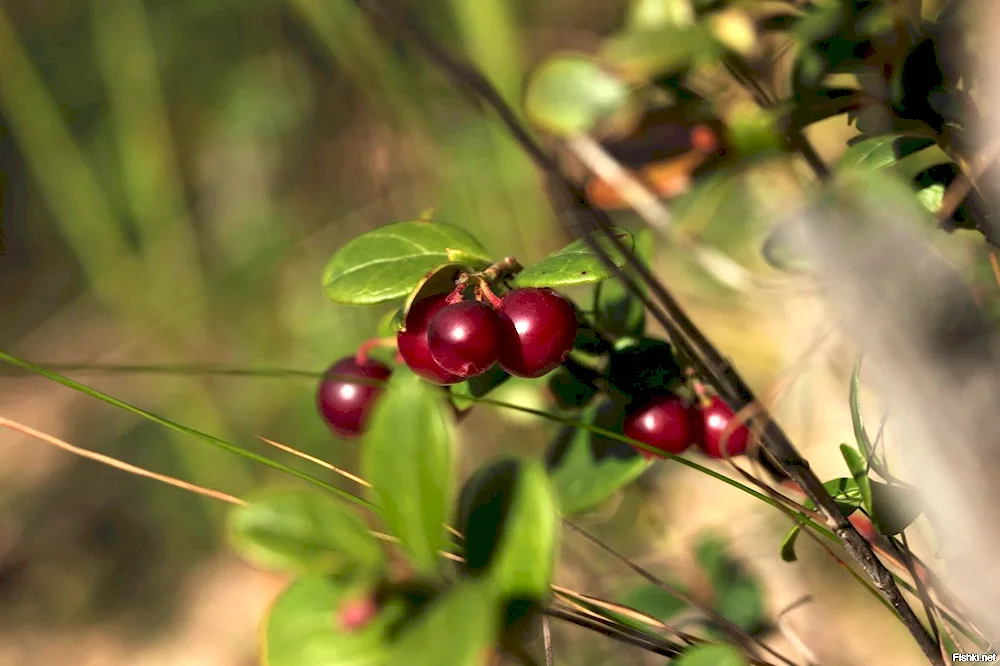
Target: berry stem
x=456, y=294
x=699, y=389
x=361, y=356
x=483, y=291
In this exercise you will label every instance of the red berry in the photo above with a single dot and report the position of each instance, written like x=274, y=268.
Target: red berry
x=715, y=419
x=354, y=614
x=412, y=342
x=539, y=329
x=345, y=405
x=464, y=338
x=663, y=422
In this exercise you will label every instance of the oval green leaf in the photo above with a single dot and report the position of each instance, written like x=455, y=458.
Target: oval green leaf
x=301, y=628
x=575, y=264
x=508, y=515
x=386, y=263
x=302, y=530
x=570, y=94
x=407, y=456
x=881, y=152
x=715, y=654
x=458, y=630
x=588, y=469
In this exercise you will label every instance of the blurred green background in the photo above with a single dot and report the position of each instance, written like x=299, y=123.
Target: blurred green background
x=174, y=174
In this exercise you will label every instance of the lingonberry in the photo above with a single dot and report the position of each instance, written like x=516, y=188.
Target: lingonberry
x=539, y=329
x=715, y=419
x=344, y=404
x=413, y=345
x=663, y=422
x=464, y=338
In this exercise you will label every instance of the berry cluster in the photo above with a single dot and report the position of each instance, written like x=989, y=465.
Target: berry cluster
x=446, y=340
x=668, y=424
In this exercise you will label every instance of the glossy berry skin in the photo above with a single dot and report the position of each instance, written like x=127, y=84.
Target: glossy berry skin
x=539, y=329
x=663, y=422
x=413, y=345
x=464, y=338
x=715, y=418
x=345, y=405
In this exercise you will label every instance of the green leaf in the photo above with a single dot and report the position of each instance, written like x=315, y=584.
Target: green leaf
x=575, y=264
x=390, y=324
x=895, y=507
x=845, y=493
x=439, y=280
x=458, y=630
x=510, y=521
x=653, y=601
x=301, y=628
x=588, y=469
x=860, y=434
x=616, y=310
x=715, y=654
x=738, y=594
x=652, y=53
x=881, y=152
x=302, y=530
x=569, y=390
x=859, y=472
x=788, y=544
x=407, y=456
x=208, y=439
x=387, y=263
x=570, y=94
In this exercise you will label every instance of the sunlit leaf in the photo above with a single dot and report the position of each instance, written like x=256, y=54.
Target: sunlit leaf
x=575, y=264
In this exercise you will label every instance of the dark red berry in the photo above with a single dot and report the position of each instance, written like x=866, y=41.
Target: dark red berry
x=412, y=342
x=715, y=418
x=345, y=405
x=464, y=338
x=663, y=422
x=539, y=331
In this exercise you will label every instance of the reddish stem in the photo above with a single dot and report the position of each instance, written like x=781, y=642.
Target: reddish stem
x=484, y=291
x=699, y=389
x=361, y=356
x=456, y=294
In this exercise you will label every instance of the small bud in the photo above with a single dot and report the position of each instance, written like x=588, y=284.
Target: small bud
x=355, y=613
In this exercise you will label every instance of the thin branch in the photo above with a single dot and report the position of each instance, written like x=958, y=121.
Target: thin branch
x=547, y=640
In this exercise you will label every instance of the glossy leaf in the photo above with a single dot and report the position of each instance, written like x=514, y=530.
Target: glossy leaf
x=588, y=469
x=653, y=601
x=616, y=310
x=407, y=456
x=387, y=263
x=895, y=507
x=575, y=264
x=639, y=366
x=570, y=94
x=859, y=472
x=301, y=628
x=738, y=594
x=510, y=521
x=845, y=493
x=458, y=629
x=882, y=151
x=302, y=530
x=715, y=654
